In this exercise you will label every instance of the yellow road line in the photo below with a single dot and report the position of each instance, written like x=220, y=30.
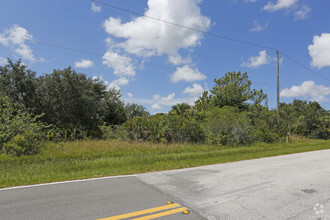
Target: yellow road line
x=142, y=212
x=161, y=214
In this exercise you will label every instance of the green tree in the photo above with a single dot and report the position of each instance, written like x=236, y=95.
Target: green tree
x=134, y=110
x=181, y=109
x=234, y=89
x=112, y=108
x=306, y=119
x=70, y=100
x=19, y=83
x=203, y=102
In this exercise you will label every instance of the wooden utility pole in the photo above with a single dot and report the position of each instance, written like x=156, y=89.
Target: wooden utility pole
x=278, y=88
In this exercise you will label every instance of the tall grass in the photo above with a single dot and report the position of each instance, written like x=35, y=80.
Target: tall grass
x=86, y=159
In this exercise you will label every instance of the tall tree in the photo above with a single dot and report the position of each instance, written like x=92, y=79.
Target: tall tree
x=19, y=83
x=234, y=89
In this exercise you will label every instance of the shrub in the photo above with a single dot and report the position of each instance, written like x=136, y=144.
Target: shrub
x=23, y=144
x=19, y=130
x=109, y=132
x=135, y=129
x=227, y=126
x=185, y=129
x=262, y=133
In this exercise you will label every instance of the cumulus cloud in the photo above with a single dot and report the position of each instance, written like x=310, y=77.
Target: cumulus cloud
x=122, y=65
x=256, y=61
x=84, y=64
x=122, y=81
x=95, y=8
x=160, y=102
x=145, y=37
x=320, y=50
x=258, y=27
x=302, y=13
x=308, y=89
x=177, y=60
x=186, y=73
x=15, y=38
x=195, y=90
x=280, y=4
x=156, y=107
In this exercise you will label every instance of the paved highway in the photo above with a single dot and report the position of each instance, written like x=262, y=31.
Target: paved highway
x=286, y=187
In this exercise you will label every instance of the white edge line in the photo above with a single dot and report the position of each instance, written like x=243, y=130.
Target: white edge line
x=68, y=181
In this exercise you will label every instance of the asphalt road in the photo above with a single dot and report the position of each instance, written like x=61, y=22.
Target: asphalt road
x=286, y=187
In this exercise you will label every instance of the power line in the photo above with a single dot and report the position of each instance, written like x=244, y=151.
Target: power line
x=303, y=66
x=96, y=54
x=186, y=27
x=113, y=57
x=211, y=34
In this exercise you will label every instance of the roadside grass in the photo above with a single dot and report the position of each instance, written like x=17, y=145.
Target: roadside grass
x=97, y=158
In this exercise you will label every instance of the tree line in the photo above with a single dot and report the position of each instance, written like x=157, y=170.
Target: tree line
x=66, y=105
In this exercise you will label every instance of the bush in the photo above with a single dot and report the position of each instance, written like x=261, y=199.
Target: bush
x=109, y=132
x=19, y=130
x=262, y=133
x=185, y=129
x=265, y=124
x=135, y=129
x=158, y=127
x=23, y=144
x=227, y=126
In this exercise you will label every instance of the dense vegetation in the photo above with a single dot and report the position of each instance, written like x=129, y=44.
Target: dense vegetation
x=66, y=105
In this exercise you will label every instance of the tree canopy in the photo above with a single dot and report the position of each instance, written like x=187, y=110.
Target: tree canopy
x=234, y=89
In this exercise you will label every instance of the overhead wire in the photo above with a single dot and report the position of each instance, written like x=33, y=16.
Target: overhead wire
x=212, y=34
x=113, y=57
x=186, y=27
x=303, y=66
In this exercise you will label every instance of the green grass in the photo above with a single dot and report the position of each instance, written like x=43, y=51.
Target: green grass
x=86, y=159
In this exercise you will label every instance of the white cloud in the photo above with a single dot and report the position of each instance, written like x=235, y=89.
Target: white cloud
x=164, y=99
x=308, y=89
x=95, y=8
x=84, y=64
x=121, y=64
x=130, y=95
x=15, y=38
x=320, y=50
x=122, y=81
x=257, y=61
x=3, y=61
x=160, y=102
x=302, y=13
x=145, y=37
x=280, y=4
x=187, y=74
x=196, y=90
x=177, y=60
x=156, y=107
x=258, y=27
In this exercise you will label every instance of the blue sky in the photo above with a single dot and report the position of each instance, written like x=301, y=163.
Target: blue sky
x=157, y=64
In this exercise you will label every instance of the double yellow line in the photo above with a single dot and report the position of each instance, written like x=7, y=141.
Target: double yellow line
x=150, y=211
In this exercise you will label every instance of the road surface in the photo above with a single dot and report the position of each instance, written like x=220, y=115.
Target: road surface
x=286, y=187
